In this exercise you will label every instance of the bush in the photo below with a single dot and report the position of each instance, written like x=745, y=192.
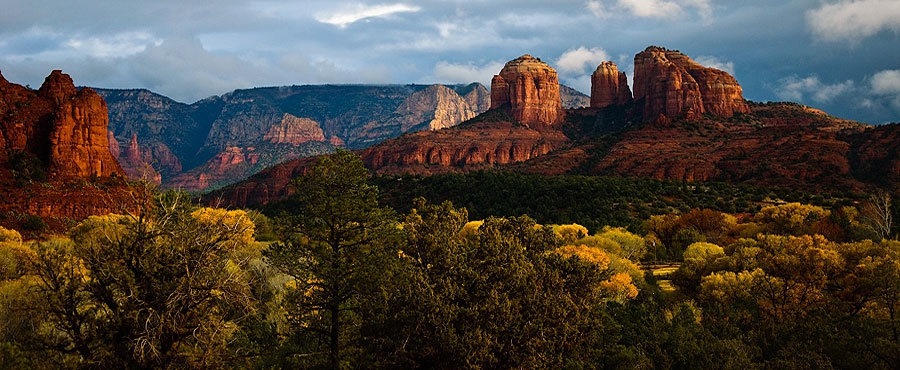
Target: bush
x=26, y=167
x=34, y=223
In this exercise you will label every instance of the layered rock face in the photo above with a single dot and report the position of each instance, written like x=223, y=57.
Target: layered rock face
x=529, y=89
x=434, y=108
x=481, y=145
x=673, y=85
x=64, y=127
x=195, y=146
x=61, y=132
x=609, y=86
x=478, y=97
x=294, y=130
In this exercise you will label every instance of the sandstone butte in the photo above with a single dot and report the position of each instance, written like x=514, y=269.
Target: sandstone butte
x=671, y=84
x=64, y=130
x=59, y=124
x=529, y=90
x=609, y=86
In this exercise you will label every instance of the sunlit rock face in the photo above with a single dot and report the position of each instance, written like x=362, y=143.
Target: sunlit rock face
x=609, y=86
x=529, y=89
x=64, y=127
x=671, y=84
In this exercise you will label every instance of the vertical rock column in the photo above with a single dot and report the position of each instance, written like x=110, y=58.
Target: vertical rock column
x=529, y=89
x=609, y=86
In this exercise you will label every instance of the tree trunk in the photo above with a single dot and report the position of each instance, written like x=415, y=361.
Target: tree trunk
x=335, y=331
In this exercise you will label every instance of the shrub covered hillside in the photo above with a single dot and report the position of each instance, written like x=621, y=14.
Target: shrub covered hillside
x=338, y=281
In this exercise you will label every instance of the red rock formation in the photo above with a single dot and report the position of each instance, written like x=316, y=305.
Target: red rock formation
x=609, y=86
x=294, y=130
x=65, y=130
x=474, y=146
x=672, y=84
x=336, y=141
x=480, y=145
x=64, y=127
x=136, y=159
x=232, y=163
x=779, y=145
x=529, y=89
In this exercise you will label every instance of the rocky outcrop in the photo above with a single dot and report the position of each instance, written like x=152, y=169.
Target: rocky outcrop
x=231, y=163
x=573, y=99
x=64, y=127
x=63, y=169
x=237, y=163
x=475, y=146
x=609, y=86
x=778, y=144
x=294, y=130
x=529, y=90
x=434, y=108
x=141, y=161
x=671, y=84
x=478, y=97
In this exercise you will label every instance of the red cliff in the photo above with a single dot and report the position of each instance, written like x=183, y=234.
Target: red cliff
x=474, y=146
x=64, y=127
x=51, y=140
x=673, y=85
x=609, y=86
x=529, y=90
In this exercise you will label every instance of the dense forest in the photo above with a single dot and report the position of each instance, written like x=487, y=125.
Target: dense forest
x=480, y=271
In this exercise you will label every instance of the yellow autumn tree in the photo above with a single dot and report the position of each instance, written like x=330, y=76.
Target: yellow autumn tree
x=571, y=232
x=791, y=218
x=703, y=250
x=470, y=228
x=585, y=253
x=619, y=287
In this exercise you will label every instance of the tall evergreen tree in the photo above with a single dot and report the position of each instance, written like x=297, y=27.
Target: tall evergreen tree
x=337, y=250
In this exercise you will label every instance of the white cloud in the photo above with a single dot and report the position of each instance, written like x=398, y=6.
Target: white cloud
x=466, y=73
x=663, y=9
x=577, y=61
x=796, y=89
x=598, y=9
x=713, y=62
x=852, y=20
x=118, y=45
x=886, y=82
x=360, y=12
x=651, y=8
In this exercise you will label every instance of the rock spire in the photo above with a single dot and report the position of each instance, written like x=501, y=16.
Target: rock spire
x=609, y=86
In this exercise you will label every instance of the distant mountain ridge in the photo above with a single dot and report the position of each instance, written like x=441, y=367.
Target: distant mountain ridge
x=222, y=139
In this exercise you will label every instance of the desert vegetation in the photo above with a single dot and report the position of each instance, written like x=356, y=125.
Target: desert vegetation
x=334, y=278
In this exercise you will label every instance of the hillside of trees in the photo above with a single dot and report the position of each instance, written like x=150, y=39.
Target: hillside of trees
x=337, y=279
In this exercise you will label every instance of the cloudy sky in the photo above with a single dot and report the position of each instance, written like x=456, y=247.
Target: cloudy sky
x=842, y=56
